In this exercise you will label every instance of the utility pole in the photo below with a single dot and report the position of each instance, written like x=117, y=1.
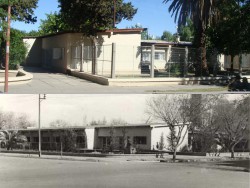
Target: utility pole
x=7, y=50
x=39, y=123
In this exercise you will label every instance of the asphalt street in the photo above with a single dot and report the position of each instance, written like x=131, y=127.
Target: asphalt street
x=56, y=83
x=34, y=172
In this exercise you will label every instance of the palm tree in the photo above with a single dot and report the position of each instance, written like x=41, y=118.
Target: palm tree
x=10, y=138
x=202, y=13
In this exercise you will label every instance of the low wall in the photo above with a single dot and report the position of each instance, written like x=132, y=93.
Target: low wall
x=90, y=77
x=151, y=81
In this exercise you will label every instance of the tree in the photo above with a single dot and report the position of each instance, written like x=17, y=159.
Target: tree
x=18, y=48
x=230, y=34
x=8, y=120
x=98, y=122
x=202, y=121
x=59, y=123
x=186, y=32
x=91, y=16
x=68, y=140
x=171, y=110
x=233, y=118
x=10, y=138
x=68, y=135
x=202, y=14
x=20, y=11
x=53, y=24
x=122, y=125
x=167, y=36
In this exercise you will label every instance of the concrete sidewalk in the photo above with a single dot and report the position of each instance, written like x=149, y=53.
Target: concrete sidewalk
x=128, y=157
x=56, y=83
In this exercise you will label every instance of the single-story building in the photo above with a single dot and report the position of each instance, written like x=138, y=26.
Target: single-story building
x=139, y=137
x=74, y=51
x=119, y=50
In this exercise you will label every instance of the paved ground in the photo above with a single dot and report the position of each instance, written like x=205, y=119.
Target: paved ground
x=34, y=172
x=56, y=83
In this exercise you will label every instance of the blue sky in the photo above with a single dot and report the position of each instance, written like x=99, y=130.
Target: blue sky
x=151, y=14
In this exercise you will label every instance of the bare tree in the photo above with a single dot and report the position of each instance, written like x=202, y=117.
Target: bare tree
x=233, y=117
x=98, y=122
x=8, y=120
x=172, y=110
x=59, y=123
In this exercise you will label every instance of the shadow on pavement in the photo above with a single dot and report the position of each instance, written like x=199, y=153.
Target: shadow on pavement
x=38, y=70
x=241, y=164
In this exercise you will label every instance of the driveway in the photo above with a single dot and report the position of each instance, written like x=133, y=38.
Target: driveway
x=49, y=82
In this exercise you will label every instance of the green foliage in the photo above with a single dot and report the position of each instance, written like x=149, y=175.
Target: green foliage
x=53, y=24
x=167, y=36
x=20, y=10
x=91, y=16
x=230, y=36
x=18, y=49
x=33, y=33
x=203, y=14
x=186, y=32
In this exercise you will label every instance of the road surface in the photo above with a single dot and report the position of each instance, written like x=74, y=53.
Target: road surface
x=34, y=172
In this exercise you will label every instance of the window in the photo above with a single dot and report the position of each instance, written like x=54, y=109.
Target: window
x=76, y=52
x=160, y=55
x=58, y=53
x=146, y=56
x=35, y=139
x=45, y=139
x=105, y=141
x=140, y=140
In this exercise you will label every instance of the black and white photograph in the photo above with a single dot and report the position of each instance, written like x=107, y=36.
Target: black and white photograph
x=124, y=93
x=120, y=140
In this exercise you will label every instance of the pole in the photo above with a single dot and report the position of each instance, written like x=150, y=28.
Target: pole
x=39, y=124
x=113, y=60
x=39, y=127
x=152, y=61
x=7, y=50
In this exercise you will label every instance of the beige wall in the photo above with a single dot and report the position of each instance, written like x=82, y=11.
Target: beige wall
x=59, y=42
x=128, y=53
x=34, y=53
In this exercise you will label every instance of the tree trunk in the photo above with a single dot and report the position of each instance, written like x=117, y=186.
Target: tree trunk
x=240, y=64
x=232, y=64
x=201, y=68
x=232, y=151
x=174, y=154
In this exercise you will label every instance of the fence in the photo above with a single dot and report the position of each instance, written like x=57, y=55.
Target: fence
x=124, y=61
